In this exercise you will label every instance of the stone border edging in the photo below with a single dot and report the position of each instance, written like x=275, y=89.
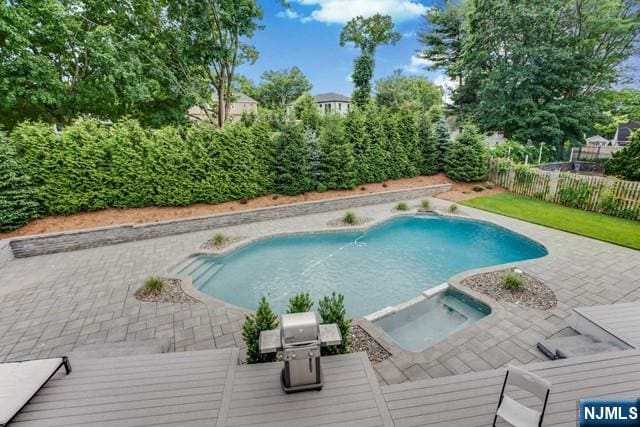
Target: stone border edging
x=6, y=254
x=89, y=238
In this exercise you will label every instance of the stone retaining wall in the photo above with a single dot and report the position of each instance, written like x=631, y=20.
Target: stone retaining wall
x=5, y=253
x=82, y=239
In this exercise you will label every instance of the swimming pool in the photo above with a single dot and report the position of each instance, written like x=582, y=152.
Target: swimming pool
x=429, y=321
x=386, y=265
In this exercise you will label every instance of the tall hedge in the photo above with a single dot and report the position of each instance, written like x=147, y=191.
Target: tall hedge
x=466, y=158
x=17, y=204
x=338, y=163
x=293, y=172
x=443, y=140
x=428, y=147
x=92, y=166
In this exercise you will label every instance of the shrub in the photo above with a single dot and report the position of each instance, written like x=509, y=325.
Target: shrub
x=153, y=286
x=263, y=320
x=17, y=204
x=428, y=147
x=575, y=197
x=293, y=173
x=321, y=188
x=300, y=303
x=466, y=159
x=478, y=188
x=513, y=281
x=402, y=206
x=626, y=163
x=453, y=208
x=443, y=141
x=219, y=239
x=350, y=218
x=425, y=204
x=489, y=185
x=338, y=169
x=331, y=310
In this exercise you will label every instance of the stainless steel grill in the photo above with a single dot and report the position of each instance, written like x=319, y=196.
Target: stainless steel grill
x=300, y=337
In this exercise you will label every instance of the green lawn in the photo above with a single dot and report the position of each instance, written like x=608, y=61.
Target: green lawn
x=598, y=226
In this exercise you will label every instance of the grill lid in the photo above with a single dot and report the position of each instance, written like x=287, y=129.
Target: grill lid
x=299, y=327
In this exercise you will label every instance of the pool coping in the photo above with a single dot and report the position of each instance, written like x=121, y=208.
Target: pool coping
x=498, y=311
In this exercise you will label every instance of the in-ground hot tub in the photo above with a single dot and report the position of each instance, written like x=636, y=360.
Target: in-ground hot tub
x=426, y=322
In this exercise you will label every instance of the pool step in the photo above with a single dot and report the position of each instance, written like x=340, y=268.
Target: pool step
x=199, y=269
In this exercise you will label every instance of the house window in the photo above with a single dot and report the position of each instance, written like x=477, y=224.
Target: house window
x=339, y=106
x=327, y=108
x=347, y=108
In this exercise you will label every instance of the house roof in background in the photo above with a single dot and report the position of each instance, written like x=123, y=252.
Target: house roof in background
x=331, y=97
x=241, y=97
x=596, y=139
x=624, y=131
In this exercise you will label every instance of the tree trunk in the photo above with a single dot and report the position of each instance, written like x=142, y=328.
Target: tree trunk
x=222, y=109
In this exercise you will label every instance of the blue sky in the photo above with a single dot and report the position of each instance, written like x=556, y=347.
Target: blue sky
x=307, y=36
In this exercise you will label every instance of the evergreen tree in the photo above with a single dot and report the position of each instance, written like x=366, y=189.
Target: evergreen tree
x=398, y=159
x=311, y=138
x=626, y=163
x=264, y=320
x=362, y=75
x=356, y=135
x=338, y=162
x=293, y=174
x=443, y=140
x=408, y=130
x=466, y=159
x=17, y=204
x=377, y=156
x=428, y=148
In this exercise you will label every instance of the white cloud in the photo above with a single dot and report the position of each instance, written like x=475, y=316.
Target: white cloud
x=409, y=35
x=288, y=14
x=448, y=86
x=341, y=11
x=417, y=65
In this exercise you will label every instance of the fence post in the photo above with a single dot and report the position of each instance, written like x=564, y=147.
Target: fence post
x=553, y=185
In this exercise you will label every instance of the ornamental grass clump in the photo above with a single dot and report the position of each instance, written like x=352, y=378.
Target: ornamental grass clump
x=350, y=218
x=153, y=286
x=425, y=204
x=402, y=206
x=513, y=281
x=219, y=239
x=263, y=320
x=453, y=208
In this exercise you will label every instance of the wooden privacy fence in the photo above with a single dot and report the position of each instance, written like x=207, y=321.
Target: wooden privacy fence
x=593, y=193
x=590, y=153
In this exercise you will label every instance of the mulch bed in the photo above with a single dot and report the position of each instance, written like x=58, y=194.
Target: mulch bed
x=171, y=292
x=534, y=295
x=338, y=222
x=212, y=245
x=360, y=340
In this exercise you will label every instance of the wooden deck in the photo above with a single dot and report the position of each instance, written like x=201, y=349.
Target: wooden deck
x=619, y=320
x=208, y=388
x=204, y=388
x=470, y=400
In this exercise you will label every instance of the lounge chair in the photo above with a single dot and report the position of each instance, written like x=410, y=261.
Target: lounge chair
x=516, y=413
x=20, y=381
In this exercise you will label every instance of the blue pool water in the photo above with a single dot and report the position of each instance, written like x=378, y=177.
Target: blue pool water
x=427, y=322
x=387, y=265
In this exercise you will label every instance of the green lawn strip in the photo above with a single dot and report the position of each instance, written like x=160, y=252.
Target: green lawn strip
x=620, y=231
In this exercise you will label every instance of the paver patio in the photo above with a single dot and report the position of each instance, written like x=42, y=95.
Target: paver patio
x=54, y=303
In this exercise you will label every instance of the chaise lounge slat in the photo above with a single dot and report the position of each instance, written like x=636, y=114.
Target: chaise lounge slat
x=20, y=381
